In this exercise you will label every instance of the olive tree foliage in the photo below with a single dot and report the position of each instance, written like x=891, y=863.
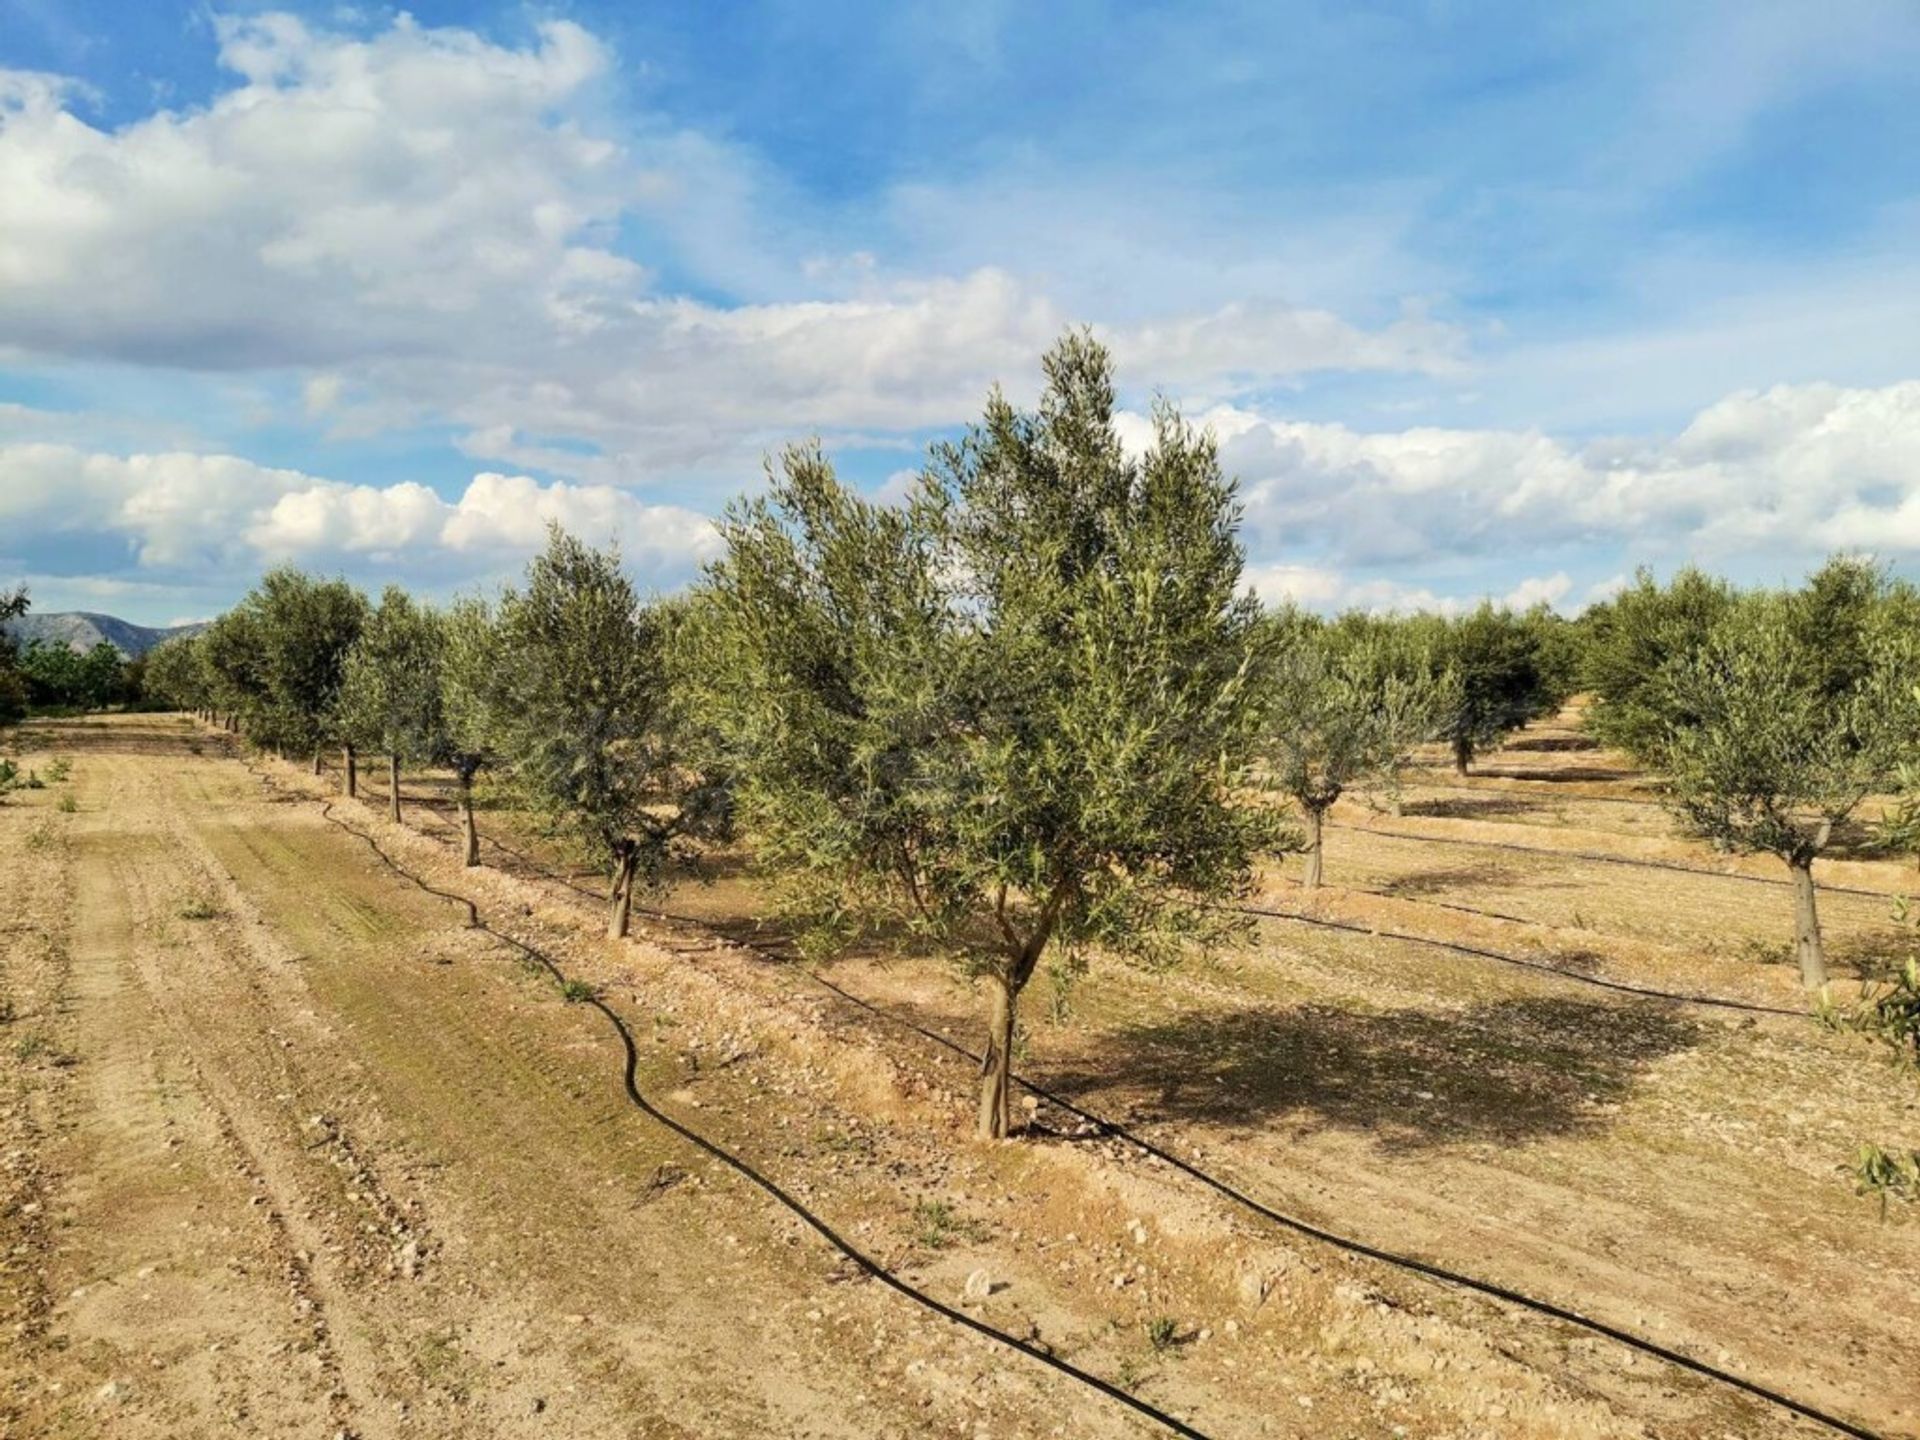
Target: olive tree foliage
x=175, y=676
x=590, y=722
x=469, y=699
x=1014, y=714
x=277, y=659
x=1770, y=746
x=389, y=697
x=13, y=685
x=1346, y=705
x=1496, y=663
x=1631, y=640
x=232, y=657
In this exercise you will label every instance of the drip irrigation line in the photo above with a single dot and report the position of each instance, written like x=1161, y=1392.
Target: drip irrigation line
x=1602, y=858
x=1411, y=1264
x=859, y=1258
x=1625, y=987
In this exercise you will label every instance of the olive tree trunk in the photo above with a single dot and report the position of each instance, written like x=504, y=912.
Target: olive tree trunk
x=620, y=898
x=317, y=767
x=393, y=788
x=1310, y=875
x=471, y=830
x=1807, y=947
x=1462, y=754
x=349, y=761
x=996, y=1065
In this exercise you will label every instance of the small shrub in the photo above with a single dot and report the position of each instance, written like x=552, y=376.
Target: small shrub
x=199, y=907
x=60, y=770
x=1163, y=1333
x=1888, y=1174
x=67, y=805
x=29, y=1048
x=575, y=991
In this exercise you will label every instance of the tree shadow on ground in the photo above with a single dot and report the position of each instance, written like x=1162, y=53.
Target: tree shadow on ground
x=1505, y=1072
x=1552, y=744
x=1563, y=775
x=1474, y=808
x=1443, y=878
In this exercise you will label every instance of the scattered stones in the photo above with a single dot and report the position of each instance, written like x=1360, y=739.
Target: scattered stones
x=979, y=1285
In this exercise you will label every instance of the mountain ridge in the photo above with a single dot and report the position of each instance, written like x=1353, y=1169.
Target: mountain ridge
x=84, y=629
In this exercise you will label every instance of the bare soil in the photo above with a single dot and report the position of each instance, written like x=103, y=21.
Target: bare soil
x=290, y=1151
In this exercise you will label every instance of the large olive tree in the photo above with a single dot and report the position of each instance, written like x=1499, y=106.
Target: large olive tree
x=1765, y=754
x=590, y=721
x=1015, y=713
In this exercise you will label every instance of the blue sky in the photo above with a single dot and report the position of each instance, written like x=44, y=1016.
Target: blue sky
x=1482, y=299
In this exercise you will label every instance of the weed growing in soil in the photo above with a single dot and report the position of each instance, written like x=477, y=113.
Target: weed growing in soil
x=1163, y=1333
x=575, y=991
x=67, y=805
x=938, y=1225
x=199, y=907
x=60, y=770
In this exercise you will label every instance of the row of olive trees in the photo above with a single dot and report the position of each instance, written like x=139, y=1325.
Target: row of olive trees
x=562, y=685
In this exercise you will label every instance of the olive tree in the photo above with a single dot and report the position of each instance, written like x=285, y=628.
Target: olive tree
x=300, y=630
x=173, y=674
x=1764, y=756
x=232, y=657
x=390, y=689
x=1014, y=714
x=590, y=722
x=1342, y=709
x=470, y=690
x=1631, y=640
x=1495, y=659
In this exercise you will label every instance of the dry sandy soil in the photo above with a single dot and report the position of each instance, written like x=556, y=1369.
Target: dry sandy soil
x=289, y=1150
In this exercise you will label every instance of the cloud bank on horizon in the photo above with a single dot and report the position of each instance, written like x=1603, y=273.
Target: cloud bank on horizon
x=1493, y=306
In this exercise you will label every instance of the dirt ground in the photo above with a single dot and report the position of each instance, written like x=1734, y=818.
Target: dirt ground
x=290, y=1151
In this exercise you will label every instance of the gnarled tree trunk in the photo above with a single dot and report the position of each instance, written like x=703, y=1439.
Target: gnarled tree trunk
x=1462, y=754
x=620, y=898
x=1808, y=949
x=393, y=788
x=350, y=762
x=317, y=769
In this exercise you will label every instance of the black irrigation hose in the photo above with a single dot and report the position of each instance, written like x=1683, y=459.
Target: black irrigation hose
x=1351, y=1246
x=1600, y=857
x=1678, y=997
x=868, y=1265
x=1388, y=1257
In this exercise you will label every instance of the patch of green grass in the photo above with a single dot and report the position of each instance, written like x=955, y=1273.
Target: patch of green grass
x=1163, y=1333
x=575, y=991
x=41, y=836
x=67, y=805
x=60, y=769
x=937, y=1225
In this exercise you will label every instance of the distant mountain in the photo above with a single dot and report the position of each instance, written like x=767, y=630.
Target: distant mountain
x=82, y=630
